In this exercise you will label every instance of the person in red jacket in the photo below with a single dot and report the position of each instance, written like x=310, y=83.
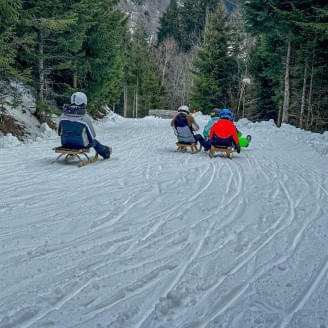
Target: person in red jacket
x=224, y=132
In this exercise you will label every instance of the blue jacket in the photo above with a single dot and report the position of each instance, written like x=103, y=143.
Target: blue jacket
x=75, y=127
x=209, y=125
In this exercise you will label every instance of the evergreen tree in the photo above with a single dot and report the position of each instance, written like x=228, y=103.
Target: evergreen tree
x=9, y=15
x=43, y=21
x=142, y=86
x=186, y=23
x=151, y=89
x=214, y=68
x=169, y=25
x=103, y=49
x=265, y=67
x=291, y=27
x=71, y=45
x=194, y=19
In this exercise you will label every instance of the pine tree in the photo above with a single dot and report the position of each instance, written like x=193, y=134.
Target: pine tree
x=9, y=15
x=169, y=24
x=142, y=80
x=291, y=27
x=151, y=89
x=214, y=68
x=103, y=52
x=42, y=23
x=186, y=23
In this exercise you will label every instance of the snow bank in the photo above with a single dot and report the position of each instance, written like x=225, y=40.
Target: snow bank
x=111, y=116
x=20, y=105
x=9, y=141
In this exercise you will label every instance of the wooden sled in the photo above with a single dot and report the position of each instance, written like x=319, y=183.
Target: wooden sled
x=71, y=154
x=227, y=150
x=193, y=147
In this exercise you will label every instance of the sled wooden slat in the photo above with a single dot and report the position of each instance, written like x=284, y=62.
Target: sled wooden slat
x=90, y=161
x=75, y=153
x=67, y=151
x=227, y=150
x=183, y=147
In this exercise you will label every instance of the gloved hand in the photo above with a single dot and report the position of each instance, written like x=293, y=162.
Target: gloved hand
x=238, y=148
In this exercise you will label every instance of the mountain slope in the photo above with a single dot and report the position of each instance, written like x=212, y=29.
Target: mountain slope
x=147, y=11
x=150, y=11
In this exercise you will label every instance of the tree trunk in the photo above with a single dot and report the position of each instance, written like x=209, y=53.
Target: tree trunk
x=165, y=63
x=244, y=103
x=309, y=113
x=41, y=69
x=39, y=111
x=240, y=97
x=285, y=111
x=207, y=15
x=279, y=116
x=137, y=91
x=74, y=80
x=303, y=95
x=125, y=105
x=134, y=104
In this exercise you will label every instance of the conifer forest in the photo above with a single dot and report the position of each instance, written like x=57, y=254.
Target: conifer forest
x=264, y=59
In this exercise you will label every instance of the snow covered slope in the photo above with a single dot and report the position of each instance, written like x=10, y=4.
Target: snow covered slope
x=154, y=238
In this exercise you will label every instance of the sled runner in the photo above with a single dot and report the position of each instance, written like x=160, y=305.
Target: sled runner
x=183, y=147
x=71, y=154
x=227, y=150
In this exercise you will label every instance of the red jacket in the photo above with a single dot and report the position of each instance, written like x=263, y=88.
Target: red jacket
x=224, y=129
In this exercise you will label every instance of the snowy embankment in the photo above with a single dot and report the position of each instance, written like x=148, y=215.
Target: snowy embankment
x=155, y=238
x=20, y=106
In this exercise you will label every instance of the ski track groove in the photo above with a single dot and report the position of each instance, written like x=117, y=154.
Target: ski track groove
x=192, y=257
x=308, y=291
x=207, y=233
x=298, y=238
x=250, y=256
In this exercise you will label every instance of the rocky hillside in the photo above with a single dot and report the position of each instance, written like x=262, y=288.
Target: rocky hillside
x=150, y=11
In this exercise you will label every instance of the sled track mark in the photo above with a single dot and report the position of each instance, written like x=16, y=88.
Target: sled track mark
x=110, y=223
x=248, y=258
x=57, y=306
x=195, y=253
x=313, y=285
x=227, y=302
x=207, y=185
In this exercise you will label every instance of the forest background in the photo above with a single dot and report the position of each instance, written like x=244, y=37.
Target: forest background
x=264, y=59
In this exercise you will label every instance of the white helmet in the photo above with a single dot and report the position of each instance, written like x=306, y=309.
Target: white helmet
x=79, y=98
x=184, y=108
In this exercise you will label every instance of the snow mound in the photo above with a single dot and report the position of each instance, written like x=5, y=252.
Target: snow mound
x=46, y=131
x=111, y=116
x=8, y=141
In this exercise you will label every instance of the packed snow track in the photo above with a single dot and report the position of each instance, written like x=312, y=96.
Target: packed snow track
x=153, y=238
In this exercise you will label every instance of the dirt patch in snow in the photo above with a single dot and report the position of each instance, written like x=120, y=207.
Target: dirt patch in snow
x=10, y=125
